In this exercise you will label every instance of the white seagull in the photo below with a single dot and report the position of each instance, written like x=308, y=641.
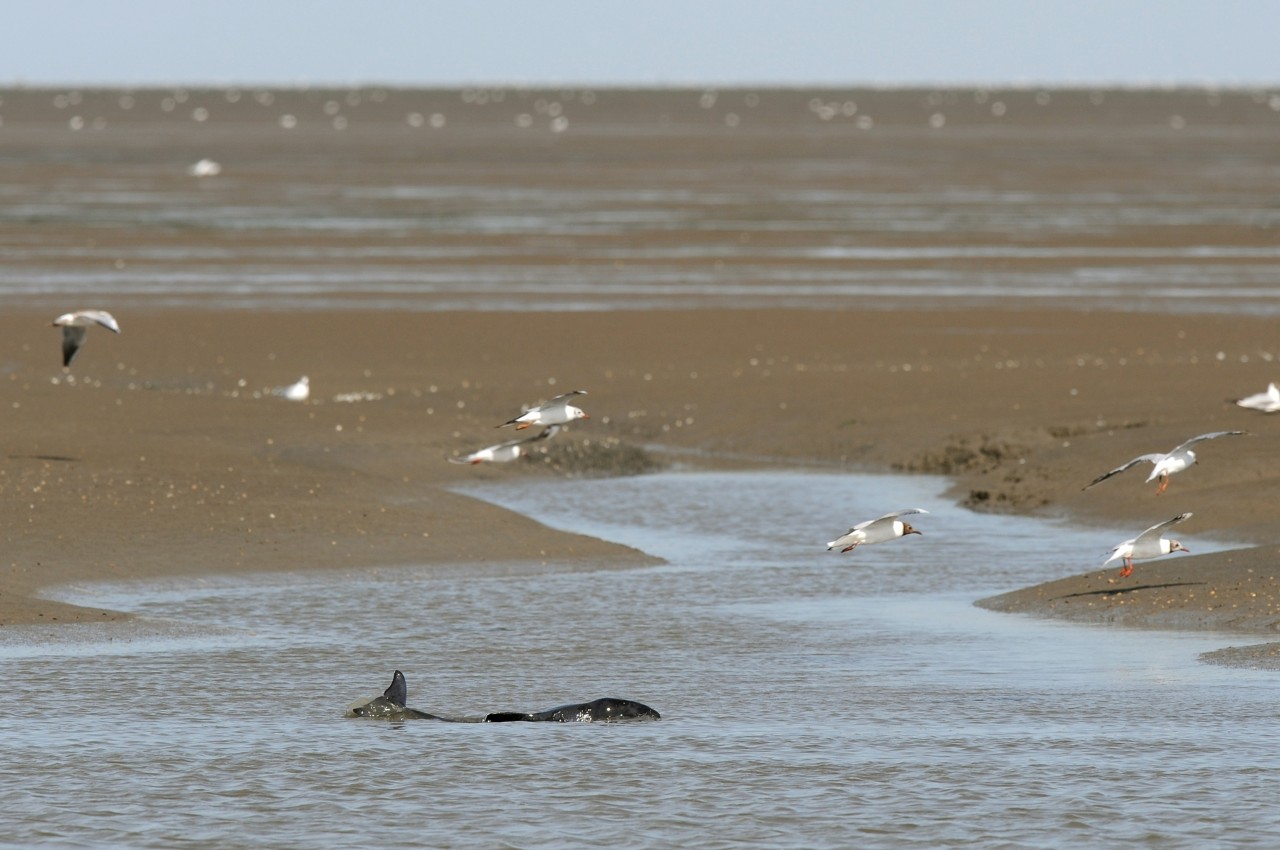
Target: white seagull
x=1176, y=460
x=205, y=168
x=74, y=326
x=558, y=411
x=1148, y=544
x=1268, y=402
x=878, y=530
x=508, y=451
x=297, y=391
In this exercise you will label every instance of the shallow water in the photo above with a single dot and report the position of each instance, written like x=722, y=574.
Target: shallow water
x=808, y=698
x=693, y=263
x=1153, y=201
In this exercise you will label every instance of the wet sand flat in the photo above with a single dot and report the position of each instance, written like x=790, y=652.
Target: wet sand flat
x=164, y=456
x=1018, y=297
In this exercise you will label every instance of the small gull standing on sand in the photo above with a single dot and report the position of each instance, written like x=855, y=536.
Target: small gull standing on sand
x=298, y=391
x=1267, y=402
x=508, y=451
x=558, y=411
x=205, y=168
x=1148, y=544
x=1178, y=459
x=74, y=325
x=878, y=530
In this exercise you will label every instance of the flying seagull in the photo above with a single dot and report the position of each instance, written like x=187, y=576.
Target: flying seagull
x=1178, y=459
x=878, y=530
x=508, y=451
x=74, y=325
x=558, y=411
x=1148, y=544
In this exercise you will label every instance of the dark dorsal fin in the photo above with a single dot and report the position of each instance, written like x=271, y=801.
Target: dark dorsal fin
x=398, y=692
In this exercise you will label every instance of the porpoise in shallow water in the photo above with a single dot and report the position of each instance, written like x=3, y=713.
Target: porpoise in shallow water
x=391, y=705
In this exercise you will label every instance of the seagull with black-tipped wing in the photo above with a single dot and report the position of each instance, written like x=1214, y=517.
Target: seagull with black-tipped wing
x=1169, y=463
x=558, y=411
x=508, y=451
x=887, y=527
x=1148, y=544
x=74, y=326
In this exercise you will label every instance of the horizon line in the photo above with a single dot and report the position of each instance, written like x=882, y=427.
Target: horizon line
x=303, y=84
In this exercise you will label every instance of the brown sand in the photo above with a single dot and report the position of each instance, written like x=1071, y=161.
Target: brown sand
x=157, y=461
x=1235, y=591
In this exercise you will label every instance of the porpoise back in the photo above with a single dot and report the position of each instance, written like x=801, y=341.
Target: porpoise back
x=391, y=705
x=603, y=710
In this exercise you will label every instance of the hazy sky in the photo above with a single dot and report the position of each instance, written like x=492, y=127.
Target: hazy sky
x=644, y=41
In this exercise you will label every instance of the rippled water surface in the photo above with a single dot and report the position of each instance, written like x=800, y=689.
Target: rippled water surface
x=808, y=698
x=578, y=200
